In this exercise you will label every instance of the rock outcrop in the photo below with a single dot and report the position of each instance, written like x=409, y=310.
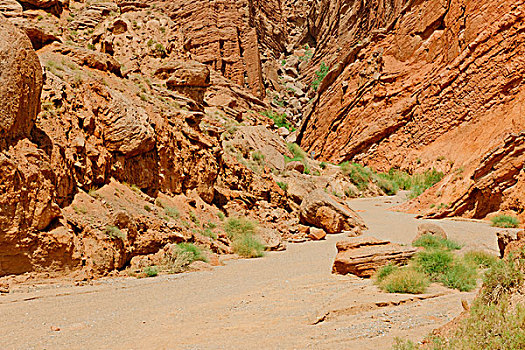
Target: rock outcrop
x=21, y=82
x=410, y=86
x=363, y=256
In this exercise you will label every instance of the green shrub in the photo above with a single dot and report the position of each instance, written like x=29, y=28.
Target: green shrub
x=257, y=156
x=389, y=187
x=221, y=216
x=461, y=276
x=194, y=251
x=151, y=271
x=194, y=219
x=383, y=272
x=493, y=326
x=283, y=186
x=115, y=232
x=506, y=221
x=172, y=212
x=480, y=259
x=298, y=153
x=401, y=344
x=405, y=280
x=434, y=262
x=434, y=242
x=248, y=246
x=209, y=233
x=320, y=75
x=503, y=278
x=280, y=120
x=358, y=174
x=242, y=233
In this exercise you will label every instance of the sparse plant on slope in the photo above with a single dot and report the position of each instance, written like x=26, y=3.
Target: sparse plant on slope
x=242, y=233
x=319, y=75
x=505, y=221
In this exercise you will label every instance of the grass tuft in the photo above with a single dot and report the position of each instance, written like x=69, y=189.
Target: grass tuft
x=405, y=280
x=434, y=242
x=505, y=221
x=242, y=232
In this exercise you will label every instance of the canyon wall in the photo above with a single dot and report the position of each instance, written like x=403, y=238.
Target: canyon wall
x=421, y=84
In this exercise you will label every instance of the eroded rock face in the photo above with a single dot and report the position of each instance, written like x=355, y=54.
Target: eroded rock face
x=400, y=93
x=363, y=256
x=322, y=210
x=21, y=84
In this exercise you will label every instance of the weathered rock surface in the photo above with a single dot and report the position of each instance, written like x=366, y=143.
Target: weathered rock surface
x=324, y=211
x=400, y=94
x=21, y=84
x=363, y=256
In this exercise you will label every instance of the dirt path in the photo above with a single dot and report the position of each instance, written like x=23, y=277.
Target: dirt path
x=287, y=300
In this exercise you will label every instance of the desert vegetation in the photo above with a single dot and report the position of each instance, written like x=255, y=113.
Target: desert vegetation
x=436, y=263
x=505, y=221
x=495, y=320
x=243, y=234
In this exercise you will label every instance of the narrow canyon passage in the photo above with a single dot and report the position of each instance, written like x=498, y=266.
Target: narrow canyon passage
x=285, y=300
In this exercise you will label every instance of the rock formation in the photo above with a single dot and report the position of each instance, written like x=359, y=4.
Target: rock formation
x=363, y=256
x=410, y=86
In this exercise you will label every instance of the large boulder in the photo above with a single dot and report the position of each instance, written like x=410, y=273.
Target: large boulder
x=363, y=256
x=324, y=211
x=20, y=81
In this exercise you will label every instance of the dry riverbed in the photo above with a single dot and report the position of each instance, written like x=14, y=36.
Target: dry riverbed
x=286, y=300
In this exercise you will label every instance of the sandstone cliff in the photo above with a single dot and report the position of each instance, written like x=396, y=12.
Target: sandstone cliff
x=422, y=84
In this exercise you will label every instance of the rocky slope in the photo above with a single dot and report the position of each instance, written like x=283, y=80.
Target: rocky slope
x=130, y=130
x=137, y=124
x=422, y=84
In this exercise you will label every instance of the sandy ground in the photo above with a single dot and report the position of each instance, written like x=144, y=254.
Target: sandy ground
x=286, y=300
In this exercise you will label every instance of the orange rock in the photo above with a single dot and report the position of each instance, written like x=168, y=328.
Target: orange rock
x=363, y=256
x=316, y=233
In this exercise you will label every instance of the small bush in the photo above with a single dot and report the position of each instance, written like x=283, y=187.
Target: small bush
x=405, y=280
x=493, y=326
x=242, y=233
x=115, y=232
x=506, y=221
x=389, y=187
x=323, y=165
x=503, y=278
x=434, y=262
x=320, y=75
x=280, y=120
x=257, y=156
x=358, y=174
x=147, y=207
x=434, y=242
x=221, y=216
x=384, y=272
x=194, y=219
x=151, y=271
x=172, y=212
x=177, y=261
x=401, y=344
x=248, y=246
x=194, y=251
x=283, y=186
x=480, y=259
x=298, y=153
x=209, y=233
x=460, y=276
